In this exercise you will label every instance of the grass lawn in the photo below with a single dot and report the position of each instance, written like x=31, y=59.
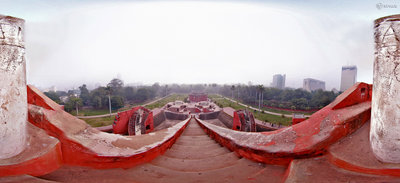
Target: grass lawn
x=282, y=111
x=96, y=122
x=259, y=115
x=164, y=101
x=92, y=112
x=214, y=96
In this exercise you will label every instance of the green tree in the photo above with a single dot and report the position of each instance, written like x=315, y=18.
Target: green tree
x=53, y=96
x=129, y=93
x=142, y=94
x=232, y=88
x=260, y=89
x=117, y=102
x=99, y=98
x=73, y=103
x=156, y=88
x=84, y=95
x=115, y=86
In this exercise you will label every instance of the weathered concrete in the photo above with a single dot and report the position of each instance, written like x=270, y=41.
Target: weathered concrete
x=354, y=153
x=41, y=156
x=13, y=102
x=85, y=146
x=384, y=134
x=310, y=138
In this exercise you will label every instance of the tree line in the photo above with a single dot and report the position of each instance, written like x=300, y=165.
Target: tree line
x=294, y=99
x=100, y=98
x=258, y=95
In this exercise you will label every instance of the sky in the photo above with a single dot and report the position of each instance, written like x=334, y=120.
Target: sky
x=70, y=43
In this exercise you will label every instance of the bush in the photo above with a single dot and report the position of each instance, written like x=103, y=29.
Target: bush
x=282, y=115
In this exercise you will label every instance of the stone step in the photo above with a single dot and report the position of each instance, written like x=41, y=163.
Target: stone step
x=195, y=143
x=193, y=132
x=196, y=149
x=194, y=138
x=194, y=165
x=195, y=155
x=242, y=171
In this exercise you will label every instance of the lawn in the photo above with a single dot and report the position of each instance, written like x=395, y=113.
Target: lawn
x=259, y=115
x=215, y=96
x=96, y=122
x=92, y=112
x=164, y=101
x=282, y=111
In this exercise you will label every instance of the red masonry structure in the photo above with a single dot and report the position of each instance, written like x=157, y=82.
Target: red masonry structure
x=197, y=97
x=125, y=122
x=243, y=120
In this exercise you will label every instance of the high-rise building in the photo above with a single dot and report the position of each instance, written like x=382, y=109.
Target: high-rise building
x=310, y=84
x=278, y=81
x=349, y=77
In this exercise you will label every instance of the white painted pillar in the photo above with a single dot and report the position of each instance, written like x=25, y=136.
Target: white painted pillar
x=13, y=97
x=385, y=119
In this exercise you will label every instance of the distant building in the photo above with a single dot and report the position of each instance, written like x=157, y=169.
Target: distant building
x=310, y=84
x=278, y=81
x=349, y=77
x=197, y=97
x=51, y=89
x=64, y=99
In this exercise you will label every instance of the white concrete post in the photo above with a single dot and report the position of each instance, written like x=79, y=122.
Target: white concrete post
x=385, y=119
x=13, y=97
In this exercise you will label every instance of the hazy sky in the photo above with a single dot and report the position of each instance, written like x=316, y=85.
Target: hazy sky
x=69, y=43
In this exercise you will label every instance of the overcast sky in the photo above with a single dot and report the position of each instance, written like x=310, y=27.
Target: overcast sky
x=69, y=43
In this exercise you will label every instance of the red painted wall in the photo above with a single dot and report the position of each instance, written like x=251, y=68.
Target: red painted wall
x=120, y=125
x=197, y=97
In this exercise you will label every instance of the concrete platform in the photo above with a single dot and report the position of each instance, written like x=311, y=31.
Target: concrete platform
x=310, y=138
x=354, y=153
x=41, y=155
x=319, y=170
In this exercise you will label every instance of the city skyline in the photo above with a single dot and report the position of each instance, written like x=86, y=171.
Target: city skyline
x=73, y=43
x=348, y=79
